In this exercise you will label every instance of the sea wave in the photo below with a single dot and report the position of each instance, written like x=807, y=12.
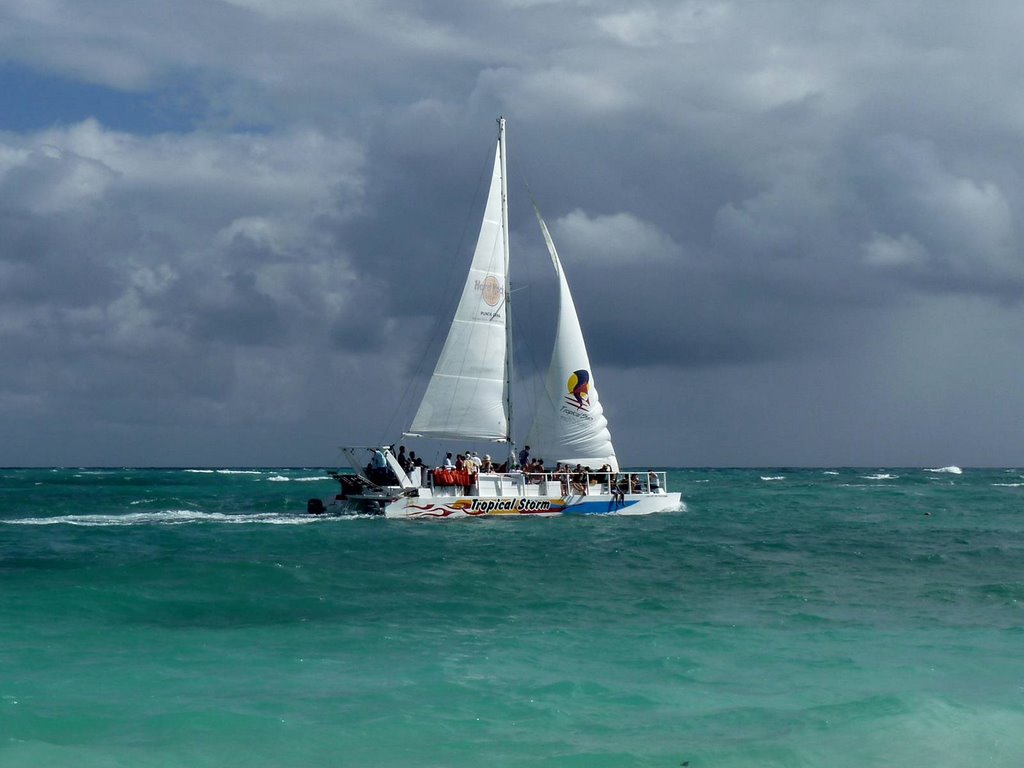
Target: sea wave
x=173, y=517
x=950, y=470
x=769, y=478
x=880, y=476
x=224, y=471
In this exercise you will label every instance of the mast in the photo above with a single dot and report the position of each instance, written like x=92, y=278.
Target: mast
x=502, y=151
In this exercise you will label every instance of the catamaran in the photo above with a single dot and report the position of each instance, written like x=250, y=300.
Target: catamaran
x=469, y=398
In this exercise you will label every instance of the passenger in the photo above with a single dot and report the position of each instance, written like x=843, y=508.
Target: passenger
x=403, y=460
x=524, y=457
x=471, y=475
x=487, y=465
x=618, y=492
x=652, y=481
x=377, y=471
x=562, y=473
x=448, y=464
x=623, y=486
x=460, y=463
x=579, y=480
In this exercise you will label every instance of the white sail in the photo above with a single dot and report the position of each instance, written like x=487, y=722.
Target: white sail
x=466, y=397
x=569, y=427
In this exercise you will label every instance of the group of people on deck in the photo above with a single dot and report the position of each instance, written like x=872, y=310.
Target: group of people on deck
x=408, y=462
x=464, y=467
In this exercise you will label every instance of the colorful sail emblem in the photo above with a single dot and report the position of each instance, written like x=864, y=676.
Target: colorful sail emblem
x=490, y=289
x=579, y=390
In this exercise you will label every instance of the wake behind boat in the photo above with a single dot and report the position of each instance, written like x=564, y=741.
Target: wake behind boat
x=469, y=398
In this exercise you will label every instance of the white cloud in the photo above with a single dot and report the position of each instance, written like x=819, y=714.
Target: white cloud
x=169, y=248
x=886, y=251
x=651, y=26
x=617, y=237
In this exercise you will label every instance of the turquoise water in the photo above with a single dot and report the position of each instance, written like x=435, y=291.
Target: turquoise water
x=786, y=618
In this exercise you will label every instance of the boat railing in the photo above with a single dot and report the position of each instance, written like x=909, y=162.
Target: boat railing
x=549, y=483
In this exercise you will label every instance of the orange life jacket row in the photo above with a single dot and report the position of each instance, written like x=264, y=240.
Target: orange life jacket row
x=451, y=477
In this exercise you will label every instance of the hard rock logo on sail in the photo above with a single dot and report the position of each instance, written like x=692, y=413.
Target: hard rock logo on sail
x=490, y=290
x=579, y=390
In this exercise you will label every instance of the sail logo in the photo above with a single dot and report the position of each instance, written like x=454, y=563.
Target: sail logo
x=490, y=290
x=578, y=386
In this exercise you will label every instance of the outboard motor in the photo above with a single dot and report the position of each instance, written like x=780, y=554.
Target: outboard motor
x=315, y=507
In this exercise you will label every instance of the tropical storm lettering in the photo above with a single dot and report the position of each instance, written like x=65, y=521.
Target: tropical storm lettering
x=511, y=505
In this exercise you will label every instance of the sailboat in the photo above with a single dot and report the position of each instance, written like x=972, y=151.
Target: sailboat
x=469, y=398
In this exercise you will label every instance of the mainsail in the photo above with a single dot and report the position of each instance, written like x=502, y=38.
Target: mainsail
x=467, y=394
x=569, y=427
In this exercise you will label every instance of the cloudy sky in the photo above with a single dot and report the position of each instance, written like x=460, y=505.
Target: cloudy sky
x=231, y=229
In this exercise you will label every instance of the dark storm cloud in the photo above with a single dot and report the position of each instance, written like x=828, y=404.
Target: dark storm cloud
x=807, y=199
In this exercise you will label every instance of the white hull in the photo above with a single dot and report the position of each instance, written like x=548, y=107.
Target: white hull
x=507, y=495
x=443, y=507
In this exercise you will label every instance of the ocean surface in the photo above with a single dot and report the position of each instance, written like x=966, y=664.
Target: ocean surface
x=786, y=617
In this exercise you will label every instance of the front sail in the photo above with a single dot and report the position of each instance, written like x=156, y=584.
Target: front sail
x=570, y=427
x=466, y=397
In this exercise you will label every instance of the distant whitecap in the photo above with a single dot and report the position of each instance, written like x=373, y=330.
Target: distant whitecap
x=769, y=478
x=951, y=470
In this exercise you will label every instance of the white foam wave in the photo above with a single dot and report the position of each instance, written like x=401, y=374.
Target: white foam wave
x=830, y=472
x=170, y=517
x=279, y=479
x=769, y=478
x=310, y=479
x=951, y=470
x=224, y=471
x=1008, y=485
x=880, y=476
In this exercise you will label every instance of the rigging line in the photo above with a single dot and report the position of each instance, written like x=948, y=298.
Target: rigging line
x=439, y=319
x=539, y=375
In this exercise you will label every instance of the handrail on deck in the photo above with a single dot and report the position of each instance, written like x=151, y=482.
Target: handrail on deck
x=649, y=481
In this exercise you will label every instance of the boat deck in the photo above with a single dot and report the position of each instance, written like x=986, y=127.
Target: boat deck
x=520, y=485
